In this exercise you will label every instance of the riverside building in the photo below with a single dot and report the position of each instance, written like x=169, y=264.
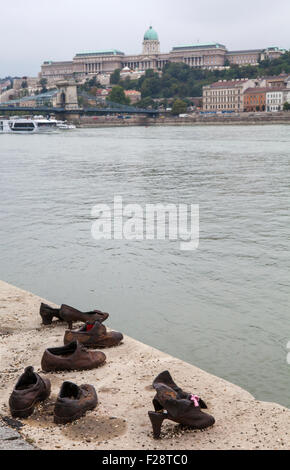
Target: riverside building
x=103, y=63
x=225, y=95
x=261, y=94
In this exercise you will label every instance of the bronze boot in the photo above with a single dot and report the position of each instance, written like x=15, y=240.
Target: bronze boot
x=73, y=402
x=171, y=402
x=29, y=390
x=70, y=315
x=74, y=356
x=94, y=336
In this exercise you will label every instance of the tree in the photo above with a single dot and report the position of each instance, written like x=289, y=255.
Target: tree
x=118, y=95
x=43, y=83
x=115, y=77
x=179, y=107
x=146, y=103
x=92, y=82
x=286, y=106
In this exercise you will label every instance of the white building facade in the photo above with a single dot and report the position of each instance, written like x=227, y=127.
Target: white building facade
x=275, y=100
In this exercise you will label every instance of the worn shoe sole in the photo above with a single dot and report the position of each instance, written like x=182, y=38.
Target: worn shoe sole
x=70, y=419
x=56, y=369
x=102, y=344
x=29, y=411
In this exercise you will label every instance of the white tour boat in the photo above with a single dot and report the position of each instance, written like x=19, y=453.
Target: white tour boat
x=27, y=126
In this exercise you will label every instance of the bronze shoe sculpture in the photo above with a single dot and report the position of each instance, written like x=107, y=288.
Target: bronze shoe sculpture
x=29, y=390
x=70, y=314
x=94, y=335
x=47, y=313
x=74, y=356
x=73, y=402
x=171, y=402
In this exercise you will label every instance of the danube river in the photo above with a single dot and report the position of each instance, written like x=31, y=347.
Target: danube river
x=223, y=307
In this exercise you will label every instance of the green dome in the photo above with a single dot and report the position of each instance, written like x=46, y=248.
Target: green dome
x=150, y=35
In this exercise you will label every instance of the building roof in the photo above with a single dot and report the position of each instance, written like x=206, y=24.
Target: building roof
x=132, y=92
x=101, y=53
x=227, y=83
x=198, y=46
x=151, y=35
x=246, y=51
x=275, y=48
x=254, y=90
x=274, y=89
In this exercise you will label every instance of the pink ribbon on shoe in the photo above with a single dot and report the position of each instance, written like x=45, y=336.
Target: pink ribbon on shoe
x=195, y=400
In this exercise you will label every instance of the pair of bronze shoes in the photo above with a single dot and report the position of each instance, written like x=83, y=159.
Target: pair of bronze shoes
x=171, y=402
x=74, y=355
x=73, y=401
x=70, y=315
x=92, y=335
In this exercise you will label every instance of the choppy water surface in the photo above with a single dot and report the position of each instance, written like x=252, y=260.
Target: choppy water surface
x=224, y=307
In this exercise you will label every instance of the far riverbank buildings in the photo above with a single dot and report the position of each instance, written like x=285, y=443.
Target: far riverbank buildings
x=211, y=56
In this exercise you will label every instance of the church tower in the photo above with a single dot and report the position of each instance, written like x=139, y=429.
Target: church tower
x=151, y=44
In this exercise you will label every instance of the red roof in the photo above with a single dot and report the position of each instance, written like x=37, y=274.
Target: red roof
x=132, y=92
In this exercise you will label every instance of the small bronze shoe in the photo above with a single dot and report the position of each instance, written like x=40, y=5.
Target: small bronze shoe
x=73, y=402
x=171, y=402
x=94, y=336
x=70, y=315
x=74, y=356
x=47, y=313
x=29, y=390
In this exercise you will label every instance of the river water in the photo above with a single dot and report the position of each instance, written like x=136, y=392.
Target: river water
x=223, y=307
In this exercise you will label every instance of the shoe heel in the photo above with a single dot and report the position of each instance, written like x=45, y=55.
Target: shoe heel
x=70, y=324
x=46, y=318
x=156, y=421
x=47, y=313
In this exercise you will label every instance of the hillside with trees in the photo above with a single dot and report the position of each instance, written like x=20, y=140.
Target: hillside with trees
x=180, y=81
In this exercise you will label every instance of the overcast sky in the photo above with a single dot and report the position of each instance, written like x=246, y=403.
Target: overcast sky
x=36, y=30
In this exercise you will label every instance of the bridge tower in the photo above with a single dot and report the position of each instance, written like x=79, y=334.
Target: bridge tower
x=67, y=96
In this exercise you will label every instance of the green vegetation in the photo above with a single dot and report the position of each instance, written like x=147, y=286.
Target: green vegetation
x=43, y=83
x=286, y=106
x=115, y=77
x=179, y=107
x=180, y=81
x=118, y=95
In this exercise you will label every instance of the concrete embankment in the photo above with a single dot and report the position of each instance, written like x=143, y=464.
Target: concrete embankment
x=192, y=120
x=125, y=393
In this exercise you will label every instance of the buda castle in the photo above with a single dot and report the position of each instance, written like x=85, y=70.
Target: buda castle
x=103, y=63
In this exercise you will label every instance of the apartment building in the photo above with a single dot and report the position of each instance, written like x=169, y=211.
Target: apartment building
x=255, y=99
x=275, y=99
x=226, y=95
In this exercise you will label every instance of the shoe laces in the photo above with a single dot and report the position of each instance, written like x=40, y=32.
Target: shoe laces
x=195, y=400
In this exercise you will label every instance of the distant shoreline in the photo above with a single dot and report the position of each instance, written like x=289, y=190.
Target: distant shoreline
x=216, y=120
x=184, y=124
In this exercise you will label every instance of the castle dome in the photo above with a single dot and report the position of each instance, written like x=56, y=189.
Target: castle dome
x=150, y=35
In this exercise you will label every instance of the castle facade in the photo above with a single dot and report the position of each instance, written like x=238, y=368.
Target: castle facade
x=103, y=63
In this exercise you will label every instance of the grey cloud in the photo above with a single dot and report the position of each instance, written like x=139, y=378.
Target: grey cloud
x=34, y=31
